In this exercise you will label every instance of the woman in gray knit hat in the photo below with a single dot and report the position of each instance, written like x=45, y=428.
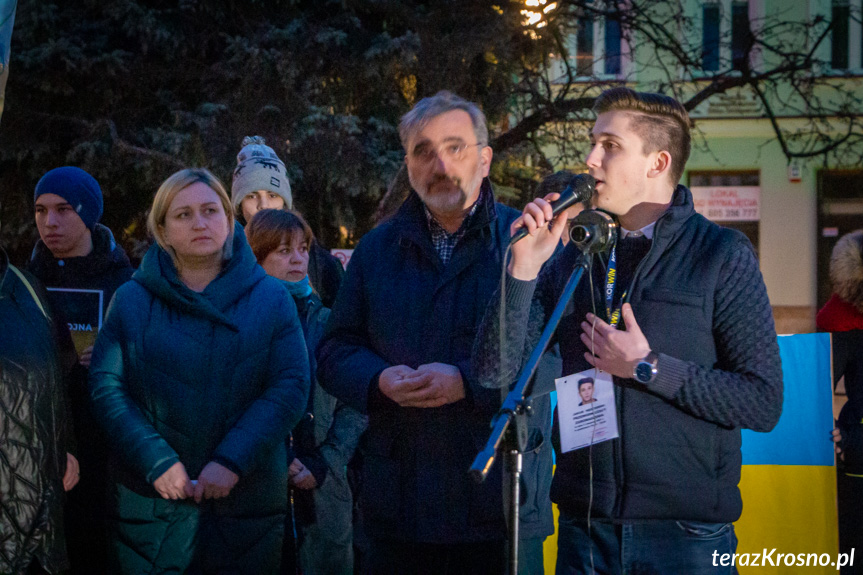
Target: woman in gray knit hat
x=260, y=180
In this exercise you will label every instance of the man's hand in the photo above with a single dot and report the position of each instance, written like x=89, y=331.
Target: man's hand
x=174, y=483
x=616, y=351
x=430, y=385
x=73, y=472
x=393, y=383
x=214, y=482
x=529, y=253
x=441, y=384
x=301, y=477
x=86, y=356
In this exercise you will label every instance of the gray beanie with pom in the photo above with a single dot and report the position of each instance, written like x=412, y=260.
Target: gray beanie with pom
x=259, y=168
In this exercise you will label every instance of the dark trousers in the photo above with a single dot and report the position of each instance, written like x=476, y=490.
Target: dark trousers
x=644, y=548
x=388, y=557
x=850, y=494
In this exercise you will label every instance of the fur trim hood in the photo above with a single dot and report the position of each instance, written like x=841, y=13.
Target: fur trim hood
x=846, y=269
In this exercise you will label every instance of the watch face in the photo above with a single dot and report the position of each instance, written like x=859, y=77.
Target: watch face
x=643, y=372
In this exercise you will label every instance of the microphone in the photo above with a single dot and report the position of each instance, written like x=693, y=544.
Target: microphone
x=579, y=189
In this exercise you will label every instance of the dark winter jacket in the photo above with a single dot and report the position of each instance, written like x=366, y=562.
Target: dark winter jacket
x=221, y=375
x=33, y=431
x=699, y=298
x=399, y=305
x=843, y=316
x=327, y=436
x=104, y=269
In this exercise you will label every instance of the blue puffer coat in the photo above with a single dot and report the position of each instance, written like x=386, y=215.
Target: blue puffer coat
x=221, y=375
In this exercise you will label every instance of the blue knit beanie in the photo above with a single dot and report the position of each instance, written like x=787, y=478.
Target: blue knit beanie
x=77, y=187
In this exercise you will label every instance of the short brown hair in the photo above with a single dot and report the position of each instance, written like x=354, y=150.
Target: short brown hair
x=269, y=229
x=177, y=182
x=661, y=122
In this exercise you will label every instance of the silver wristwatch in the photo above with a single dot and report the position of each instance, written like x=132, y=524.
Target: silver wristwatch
x=645, y=370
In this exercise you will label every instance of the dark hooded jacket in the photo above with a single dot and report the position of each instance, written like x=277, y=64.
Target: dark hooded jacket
x=104, y=269
x=221, y=375
x=843, y=316
x=33, y=431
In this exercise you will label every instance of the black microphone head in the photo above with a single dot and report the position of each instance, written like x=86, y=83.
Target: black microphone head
x=554, y=183
x=579, y=189
x=583, y=186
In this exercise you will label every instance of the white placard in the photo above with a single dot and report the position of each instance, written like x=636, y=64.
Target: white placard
x=585, y=403
x=728, y=203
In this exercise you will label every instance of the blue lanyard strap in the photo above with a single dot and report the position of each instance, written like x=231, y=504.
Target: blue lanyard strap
x=610, y=280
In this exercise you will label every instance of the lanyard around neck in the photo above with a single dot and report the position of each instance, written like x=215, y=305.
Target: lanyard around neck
x=610, y=281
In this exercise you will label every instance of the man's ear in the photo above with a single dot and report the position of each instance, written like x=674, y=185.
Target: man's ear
x=661, y=164
x=485, y=156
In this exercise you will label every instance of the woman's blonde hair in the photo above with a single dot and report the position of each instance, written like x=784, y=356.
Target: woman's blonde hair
x=169, y=189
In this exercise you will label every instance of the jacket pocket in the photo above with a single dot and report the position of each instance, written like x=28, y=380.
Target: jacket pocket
x=674, y=296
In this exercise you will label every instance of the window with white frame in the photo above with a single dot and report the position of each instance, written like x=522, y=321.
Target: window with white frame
x=596, y=47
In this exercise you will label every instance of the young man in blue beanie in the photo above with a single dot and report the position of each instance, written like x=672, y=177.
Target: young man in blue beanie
x=82, y=266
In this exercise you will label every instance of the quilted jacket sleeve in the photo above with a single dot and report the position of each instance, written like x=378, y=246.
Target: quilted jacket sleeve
x=127, y=428
x=269, y=419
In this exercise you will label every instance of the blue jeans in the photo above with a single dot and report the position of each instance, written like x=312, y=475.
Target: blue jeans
x=643, y=548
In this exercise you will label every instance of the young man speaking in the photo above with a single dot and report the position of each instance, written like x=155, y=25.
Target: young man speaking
x=684, y=326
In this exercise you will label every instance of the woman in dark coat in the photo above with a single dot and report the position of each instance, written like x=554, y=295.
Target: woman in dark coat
x=325, y=439
x=843, y=317
x=34, y=466
x=198, y=375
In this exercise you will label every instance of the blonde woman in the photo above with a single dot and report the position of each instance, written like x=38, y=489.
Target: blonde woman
x=198, y=376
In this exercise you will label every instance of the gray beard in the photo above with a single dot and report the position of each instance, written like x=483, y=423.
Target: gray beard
x=449, y=201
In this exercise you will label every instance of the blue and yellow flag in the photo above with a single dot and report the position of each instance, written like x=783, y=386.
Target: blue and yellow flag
x=788, y=480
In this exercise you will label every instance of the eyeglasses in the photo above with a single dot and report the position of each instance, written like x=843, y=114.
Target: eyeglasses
x=450, y=151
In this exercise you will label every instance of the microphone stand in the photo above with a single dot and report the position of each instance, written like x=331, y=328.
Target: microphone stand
x=509, y=426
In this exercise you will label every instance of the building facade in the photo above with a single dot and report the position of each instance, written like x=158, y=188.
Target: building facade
x=794, y=209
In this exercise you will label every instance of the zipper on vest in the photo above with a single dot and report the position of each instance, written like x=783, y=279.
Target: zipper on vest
x=620, y=469
x=619, y=472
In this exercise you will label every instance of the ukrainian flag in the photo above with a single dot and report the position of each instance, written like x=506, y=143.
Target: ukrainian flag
x=788, y=481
